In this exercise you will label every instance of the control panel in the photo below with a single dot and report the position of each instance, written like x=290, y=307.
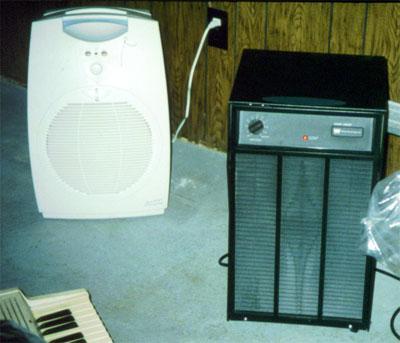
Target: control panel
x=315, y=131
x=95, y=59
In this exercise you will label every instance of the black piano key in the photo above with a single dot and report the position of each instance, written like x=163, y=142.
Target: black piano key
x=69, y=338
x=54, y=315
x=80, y=341
x=62, y=320
x=60, y=328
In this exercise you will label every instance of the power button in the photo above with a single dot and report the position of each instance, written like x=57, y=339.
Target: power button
x=96, y=68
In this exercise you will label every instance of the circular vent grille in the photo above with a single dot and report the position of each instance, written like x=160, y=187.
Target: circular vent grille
x=99, y=148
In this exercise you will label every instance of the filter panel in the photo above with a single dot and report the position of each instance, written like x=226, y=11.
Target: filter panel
x=301, y=219
x=312, y=206
x=349, y=193
x=255, y=221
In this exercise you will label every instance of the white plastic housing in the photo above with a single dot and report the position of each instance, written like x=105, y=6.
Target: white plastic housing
x=98, y=119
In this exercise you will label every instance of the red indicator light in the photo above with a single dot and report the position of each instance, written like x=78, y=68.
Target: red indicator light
x=305, y=138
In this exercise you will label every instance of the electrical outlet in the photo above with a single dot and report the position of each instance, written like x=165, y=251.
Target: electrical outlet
x=218, y=37
x=394, y=118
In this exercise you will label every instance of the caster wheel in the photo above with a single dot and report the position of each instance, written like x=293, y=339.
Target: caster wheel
x=352, y=328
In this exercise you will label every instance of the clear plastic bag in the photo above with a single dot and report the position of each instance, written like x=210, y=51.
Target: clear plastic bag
x=382, y=225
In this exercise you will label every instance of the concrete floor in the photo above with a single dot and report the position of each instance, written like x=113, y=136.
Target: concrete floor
x=153, y=279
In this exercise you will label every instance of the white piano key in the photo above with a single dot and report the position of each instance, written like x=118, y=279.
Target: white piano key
x=86, y=317
x=89, y=326
x=77, y=301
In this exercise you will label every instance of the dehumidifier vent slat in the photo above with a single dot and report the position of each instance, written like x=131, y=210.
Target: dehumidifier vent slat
x=349, y=193
x=301, y=217
x=255, y=216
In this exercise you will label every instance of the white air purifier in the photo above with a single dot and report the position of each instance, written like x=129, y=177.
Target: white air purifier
x=98, y=119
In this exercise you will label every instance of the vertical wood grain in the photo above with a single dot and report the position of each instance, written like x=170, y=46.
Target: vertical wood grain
x=16, y=20
x=220, y=74
x=138, y=4
x=298, y=26
x=250, y=27
x=181, y=35
x=382, y=38
x=194, y=129
x=167, y=13
x=347, y=31
x=393, y=159
x=14, y=65
x=372, y=29
x=100, y=3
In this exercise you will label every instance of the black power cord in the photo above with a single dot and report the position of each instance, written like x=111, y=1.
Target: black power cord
x=396, y=313
x=388, y=274
x=221, y=259
x=394, y=332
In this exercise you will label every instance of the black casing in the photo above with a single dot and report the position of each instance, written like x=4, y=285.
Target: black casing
x=275, y=274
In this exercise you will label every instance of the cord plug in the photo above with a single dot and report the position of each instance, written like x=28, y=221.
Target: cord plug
x=217, y=19
x=215, y=22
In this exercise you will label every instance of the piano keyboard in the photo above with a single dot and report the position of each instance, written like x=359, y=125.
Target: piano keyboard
x=66, y=317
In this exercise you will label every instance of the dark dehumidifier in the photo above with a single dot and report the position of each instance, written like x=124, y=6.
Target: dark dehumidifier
x=306, y=146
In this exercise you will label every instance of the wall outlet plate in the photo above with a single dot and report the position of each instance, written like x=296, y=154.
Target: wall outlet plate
x=218, y=37
x=394, y=118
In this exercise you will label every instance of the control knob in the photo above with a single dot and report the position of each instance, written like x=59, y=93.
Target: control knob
x=256, y=126
x=96, y=68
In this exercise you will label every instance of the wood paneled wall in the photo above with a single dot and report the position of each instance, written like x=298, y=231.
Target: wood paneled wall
x=350, y=28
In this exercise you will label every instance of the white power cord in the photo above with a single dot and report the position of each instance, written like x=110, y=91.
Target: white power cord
x=215, y=22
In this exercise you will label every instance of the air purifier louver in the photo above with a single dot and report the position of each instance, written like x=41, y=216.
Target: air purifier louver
x=98, y=118
x=306, y=146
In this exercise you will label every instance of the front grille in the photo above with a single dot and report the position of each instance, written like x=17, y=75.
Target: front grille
x=296, y=235
x=99, y=148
